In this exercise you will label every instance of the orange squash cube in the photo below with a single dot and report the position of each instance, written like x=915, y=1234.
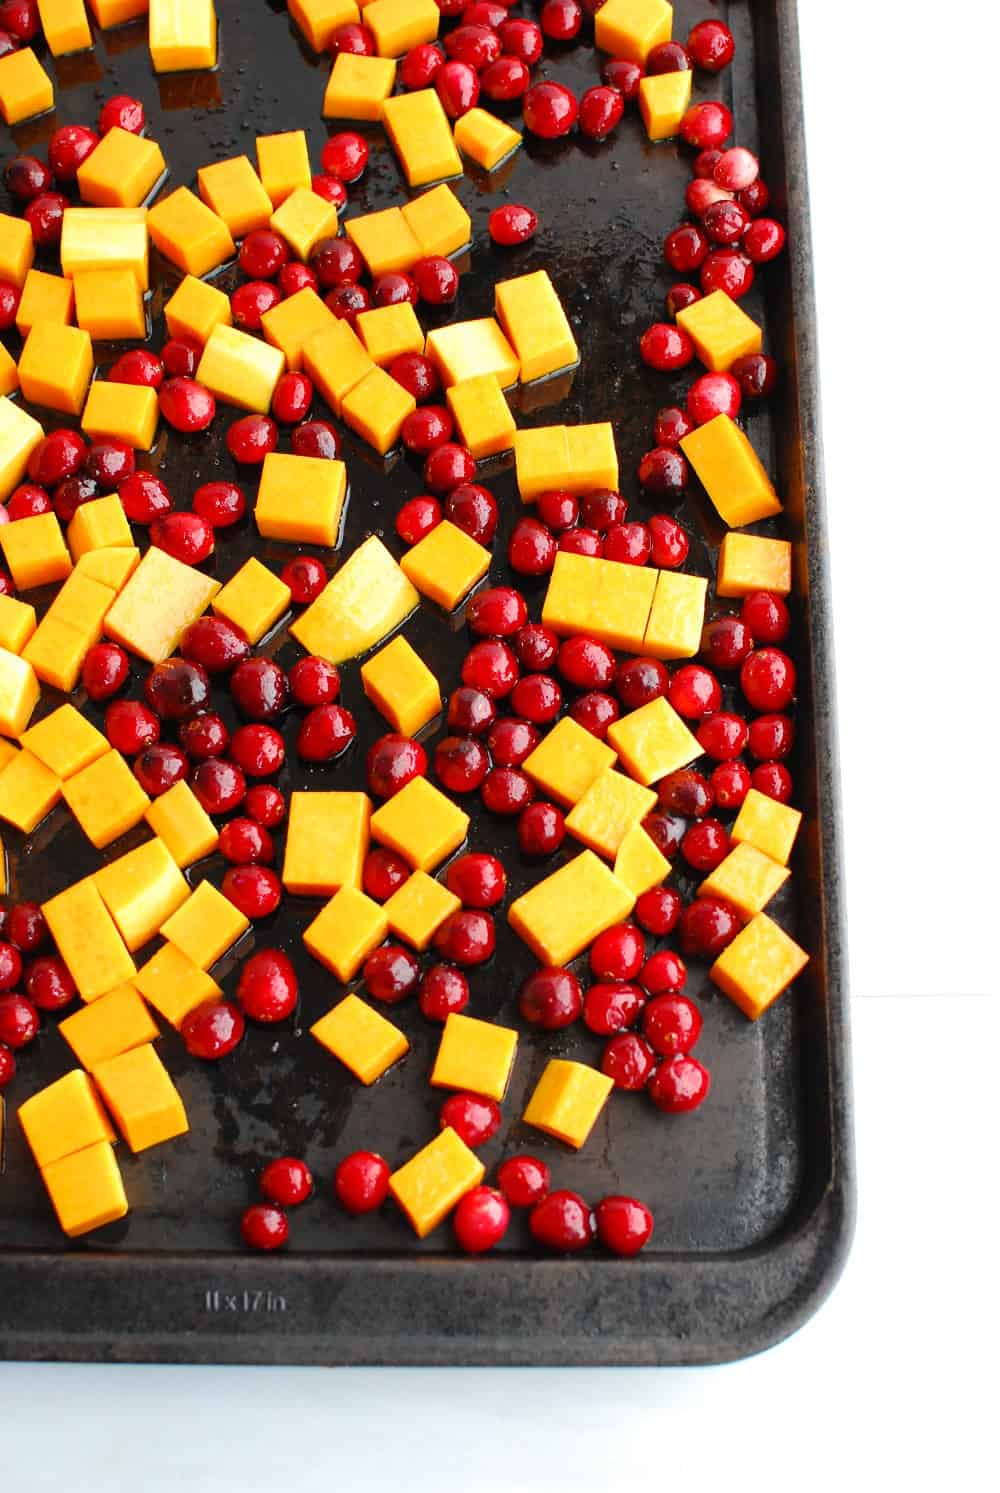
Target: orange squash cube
x=17, y=247
x=376, y=407
x=89, y=944
x=758, y=966
x=430, y=1184
x=421, y=136
x=188, y=233
x=300, y=499
x=28, y=791
x=105, y=799
x=128, y=412
x=361, y=1038
x=25, y=87
x=19, y=693
x=142, y=1097
x=109, y=304
x=20, y=433
x=196, y=309
x=254, y=598
x=173, y=984
x=35, y=551
x=86, y=1190
x=183, y=35
x=115, y=1023
x=121, y=170
x=326, y=843
x=344, y=933
x=234, y=191
x=65, y=741
x=44, y=297
x=55, y=366
x=141, y=890
x=358, y=87
x=64, y=1117
x=292, y=323
x=283, y=163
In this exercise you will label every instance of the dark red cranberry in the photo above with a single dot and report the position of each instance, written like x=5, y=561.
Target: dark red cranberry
x=258, y=750
x=457, y=87
x=665, y=831
x=551, y=999
x=664, y=472
x=424, y=430
x=477, y=879
x=536, y=646
x=473, y=509
x=354, y=39
x=251, y=438
x=771, y=737
x=711, y=45
x=336, y=261
x=448, y=466
x=262, y=254
x=466, y=938
x=129, y=726
x=537, y=698
x=679, y=297
x=10, y=967
x=773, y=780
x=316, y=438
x=729, y=270
x=480, y=1220
x=220, y=504
x=628, y=1061
x=470, y=711
x=460, y=763
x=145, y=498
x=177, y=689
x=105, y=670
x=611, y=1007
x=215, y=644
x=601, y=109
x=348, y=301
x=186, y=405
x=665, y=973
x=756, y=375
x=561, y=19
x=722, y=736
x=325, y=733
x=523, y=1180
x=181, y=356
x=586, y=663
x=263, y=1226
x=624, y=1224
x=658, y=910
x=20, y=19
x=48, y=983
x=672, y=424
x=678, y=1084
x=26, y=929
x=418, y=67
x=706, y=926
x=602, y=508
x=499, y=611
x=665, y=347
x=244, y=842
x=694, y=692
x=391, y=973
x=506, y=790
x=10, y=300
x=286, y=1181
x=557, y=510
x=549, y=110
x=314, y=682
x=392, y=762
x=305, y=577
x=730, y=783
x=484, y=13
x=562, y=1222
x=582, y=542
x=213, y=1029
x=624, y=75
x=265, y=804
x=27, y=501
x=25, y=176
x=18, y=1021
x=44, y=216
x=71, y=494
x=628, y=544
x=393, y=288
x=218, y=785
x=755, y=198
x=725, y=222
x=8, y=1063
x=251, y=302
x=668, y=57
x=541, y=829
x=595, y=712
x=522, y=39
x=686, y=793
x=443, y=990
x=506, y=79
x=361, y=1181
x=531, y=549
x=259, y=688
x=58, y=455
x=725, y=642
x=707, y=125
x=205, y=736
x=69, y=147
x=671, y=1023
x=473, y=1117
x=383, y=873
x=491, y=666
x=510, y=741
x=639, y=680
x=255, y=890
x=684, y=248
x=437, y=280
x=159, y=767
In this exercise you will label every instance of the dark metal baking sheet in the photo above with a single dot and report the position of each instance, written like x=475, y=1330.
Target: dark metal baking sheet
x=753, y=1196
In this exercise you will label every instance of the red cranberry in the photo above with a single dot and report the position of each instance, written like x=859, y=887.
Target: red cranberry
x=159, y=767
x=258, y=750
x=711, y=46
x=10, y=300
x=657, y=910
x=437, y=280
x=27, y=930
x=773, y=780
x=391, y=973
x=562, y=1221
x=755, y=198
x=730, y=783
x=509, y=742
x=251, y=438
x=250, y=303
x=69, y=147
x=684, y=248
x=426, y=429
x=499, y=611
x=218, y=785
x=335, y=262
x=145, y=498
x=27, y=501
x=551, y=999
x=262, y=254
x=470, y=711
x=725, y=221
x=477, y=880
x=685, y=792
x=666, y=347
x=595, y=712
x=220, y=504
x=766, y=616
x=513, y=223
x=205, y=736
x=18, y=1021
x=473, y=1117
x=105, y=670
x=722, y=736
x=586, y=663
x=523, y=1180
x=345, y=155
x=601, y=509
x=177, y=689
x=484, y=13
x=466, y=938
x=617, y=954
x=767, y=679
x=671, y=1022
x=348, y=301
x=601, y=109
x=557, y=510
x=680, y=296
x=628, y=544
x=213, y=1029
x=181, y=356
x=694, y=692
x=392, y=762
x=756, y=375
x=383, y=873
x=476, y=45
x=706, y=926
x=418, y=67
x=725, y=642
x=624, y=75
x=537, y=698
x=531, y=549
x=457, y=87
x=255, y=890
x=124, y=113
x=473, y=509
x=506, y=790
x=263, y=1226
x=58, y=455
x=316, y=438
x=663, y=973
x=672, y=424
x=665, y=831
x=481, y=1218
x=186, y=405
x=707, y=125
x=331, y=189
x=44, y=216
x=536, y=646
x=443, y=990
x=244, y=842
x=20, y=19
x=354, y=39
x=771, y=737
x=713, y=394
x=292, y=397
x=286, y=1181
x=215, y=644
x=624, y=1224
x=729, y=270
x=506, y=79
x=361, y=1181
x=109, y=462
x=491, y=666
x=639, y=680
x=10, y=967
x=522, y=39
x=26, y=176
x=664, y=472
x=314, y=682
x=668, y=57
x=561, y=19
x=736, y=169
x=679, y=1084
x=447, y=467
x=549, y=110
x=130, y=726
x=628, y=1061
x=259, y=688
x=325, y=733
x=393, y=288
x=541, y=829
x=265, y=804
x=460, y=763
x=8, y=1065
x=611, y=1007
x=305, y=577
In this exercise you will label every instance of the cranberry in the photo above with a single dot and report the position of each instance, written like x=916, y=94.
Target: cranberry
x=443, y=990
x=602, y=509
x=26, y=176
x=523, y=1180
x=666, y=347
x=657, y=910
x=756, y=375
x=220, y=504
x=419, y=377
x=44, y=216
x=259, y=688
x=392, y=762
x=541, y=829
x=665, y=831
x=391, y=973
x=205, y=736
x=706, y=926
x=354, y=39
x=69, y=147
x=244, y=842
x=213, y=1029
x=586, y=663
x=736, y=169
x=722, y=736
x=218, y=785
x=331, y=189
x=263, y=1226
x=624, y=75
x=265, y=804
x=460, y=763
x=258, y=750
x=617, y=954
x=531, y=549
x=725, y=642
x=562, y=1221
x=130, y=726
x=466, y=938
x=481, y=1218
x=773, y=780
x=418, y=67
x=522, y=39
x=473, y=1117
x=713, y=394
x=694, y=692
x=550, y=110
x=679, y=297
x=437, y=280
x=457, y=87
x=628, y=1061
x=314, y=682
x=664, y=472
x=10, y=300
x=611, y=1007
x=59, y=454
x=105, y=670
x=335, y=262
x=109, y=462
x=477, y=880
x=537, y=698
x=536, y=646
x=325, y=733
x=730, y=783
x=729, y=270
x=725, y=221
x=766, y=617
x=707, y=125
x=551, y=999
x=316, y=438
x=664, y=973
x=711, y=45
x=18, y=1021
x=262, y=254
x=345, y=155
x=671, y=1022
x=422, y=432
x=186, y=405
x=181, y=356
x=624, y=1224
x=771, y=737
x=687, y=793
x=71, y=494
x=668, y=57
x=286, y=1181
x=8, y=1065
x=506, y=790
x=595, y=712
x=473, y=509
x=27, y=501
x=628, y=544
x=601, y=109
x=448, y=466
x=10, y=967
x=250, y=439
x=177, y=689
x=393, y=288
x=26, y=929
x=477, y=45
x=361, y=1181
x=159, y=767
x=513, y=223
x=484, y=13
x=767, y=679
x=678, y=1084
x=509, y=743
x=348, y=301
x=557, y=510
x=470, y=711
x=20, y=19
x=215, y=644
x=383, y=873
x=640, y=680
x=251, y=302
x=268, y=988
x=145, y=498
x=491, y=666
x=701, y=196
x=499, y=611
x=506, y=79
x=685, y=248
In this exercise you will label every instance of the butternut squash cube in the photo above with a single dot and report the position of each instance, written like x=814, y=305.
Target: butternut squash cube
x=319, y=19
x=562, y=914
x=86, y=1190
x=365, y=601
x=467, y=349
x=421, y=136
x=28, y=791
x=111, y=568
x=20, y=433
x=327, y=842
x=664, y=99
x=109, y=304
x=430, y=1184
x=121, y=170
x=653, y=741
x=677, y=615
x=639, y=863
x=112, y=1024
x=358, y=87
x=438, y=221
x=142, y=1097
x=89, y=944
x=17, y=247
x=720, y=329
x=401, y=686
x=173, y=984
x=65, y=741
x=420, y=824
x=44, y=297
x=9, y=381
x=482, y=415
x=567, y=761
x=183, y=35
x=343, y=934
x=632, y=28
x=446, y=564
x=611, y=806
x=303, y=219
x=361, y=1037
x=17, y=623
x=768, y=825
x=158, y=602
x=196, y=309
x=283, y=164
x=567, y=1100
x=292, y=323
x=99, y=524
x=189, y=234
x=56, y=652
x=65, y=25
x=485, y=139
x=593, y=459
x=128, y=412
x=64, y=1117
x=398, y=25
x=141, y=890
x=105, y=799
x=34, y=550
x=18, y=690
x=82, y=604
x=759, y=964
x=55, y=366
x=541, y=460
x=301, y=498
x=474, y=1055
x=385, y=240
x=748, y=563
x=376, y=408
x=105, y=238
x=731, y=472
x=532, y=316
x=417, y=909
x=747, y=879
x=234, y=191
x=25, y=87
x=388, y=331
x=240, y=369
x=205, y=925
x=110, y=13
x=604, y=598
x=254, y=598
x=335, y=360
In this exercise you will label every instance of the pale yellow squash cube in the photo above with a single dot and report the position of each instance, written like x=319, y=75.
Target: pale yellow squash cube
x=731, y=472
x=446, y=564
x=677, y=615
x=99, y=524
x=653, y=741
x=438, y=221
x=128, y=412
x=182, y=824
x=111, y=568
x=474, y=1055
x=254, y=598
x=768, y=825
x=335, y=359
x=639, y=862
x=567, y=761
x=196, y=309
x=88, y=941
x=567, y=1100
x=361, y=1037
x=562, y=914
x=748, y=562
x=121, y=170
x=467, y=349
x=758, y=966
x=157, y=604
x=361, y=604
x=421, y=824
x=604, y=598
x=358, y=87
x=141, y=890
x=417, y=909
x=20, y=433
x=292, y=323
x=430, y=1184
x=300, y=499
x=747, y=879
x=234, y=191
x=240, y=369
x=482, y=415
x=106, y=238
x=401, y=687
x=183, y=35
x=611, y=806
x=303, y=219
x=344, y=933
x=326, y=843
x=19, y=693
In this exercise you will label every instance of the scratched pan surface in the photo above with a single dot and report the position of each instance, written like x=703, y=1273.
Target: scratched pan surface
x=753, y=1195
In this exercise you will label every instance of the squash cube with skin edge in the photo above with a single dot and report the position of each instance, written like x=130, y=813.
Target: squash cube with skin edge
x=343, y=934
x=562, y=914
x=20, y=433
x=55, y=366
x=105, y=238
x=105, y=799
x=89, y=944
x=468, y=349
x=567, y=761
x=303, y=219
x=603, y=598
x=567, y=1100
x=367, y=598
x=65, y=741
x=417, y=909
x=431, y=1183
x=121, y=170
x=358, y=87
x=446, y=564
x=110, y=568
x=632, y=28
x=664, y=99
x=56, y=651
x=474, y=1055
x=731, y=472
x=161, y=598
x=361, y=1037
x=376, y=408
x=205, y=926
x=758, y=966
x=438, y=221
x=300, y=499
x=482, y=415
x=28, y=791
x=240, y=369
x=141, y=890
x=531, y=314
x=676, y=617
x=64, y=1117
x=335, y=360
x=183, y=35
x=35, y=552
x=17, y=247
x=749, y=563
x=235, y=193
x=19, y=692
x=254, y=598
x=485, y=139
x=747, y=879
x=99, y=524
x=398, y=25
x=189, y=234
x=420, y=824
x=283, y=164
x=9, y=380
x=86, y=1190
x=126, y=412
x=109, y=305
x=421, y=136
x=653, y=741
x=44, y=297
x=611, y=806
x=292, y=323
x=173, y=984
x=25, y=87
x=319, y=19
x=388, y=331
x=196, y=309
x=326, y=843
x=114, y=1023
x=639, y=863
x=401, y=687
x=720, y=329
x=142, y=1097
x=385, y=240
x=768, y=825
x=17, y=623
x=65, y=25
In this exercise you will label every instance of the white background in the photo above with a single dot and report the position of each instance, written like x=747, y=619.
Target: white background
x=894, y=1374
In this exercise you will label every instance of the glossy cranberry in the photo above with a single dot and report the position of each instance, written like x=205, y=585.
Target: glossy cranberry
x=436, y=279
x=58, y=455
x=204, y=736
x=685, y=248
x=701, y=196
x=18, y=1021
x=258, y=750
x=448, y=466
x=725, y=642
x=624, y=75
x=361, y=1182
x=473, y=509
x=665, y=831
x=562, y=1222
x=513, y=223
x=725, y=221
x=457, y=87
x=484, y=13
x=71, y=493
x=664, y=472
x=383, y=873
x=470, y=711
x=474, y=1118
x=426, y=429
x=671, y=1022
x=561, y=19
x=286, y=1181
x=586, y=663
x=262, y=254
x=265, y=804
x=443, y=989
x=215, y=644
x=20, y=18
x=499, y=611
x=723, y=736
x=10, y=967
x=394, y=288
x=392, y=762
x=541, y=829
x=711, y=46
x=771, y=737
x=145, y=498
x=159, y=767
x=668, y=57
x=177, y=689
x=477, y=879
x=664, y=973
x=264, y=1227
x=550, y=110
x=354, y=39
x=756, y=375
x=506, y=791
x=122, y=112
x=729, y=270
x=331, y=189
x=730, y=783
x=628, y=1061
x=602, y=509
x=27, y=501
x=249, y=303
x=186, y=405
x=505, y=79
x=595, y=712
x=213, y=1030
x=694, y=692
x=557, y=510
x=628, y=544
x=686, y=793
x=345, y=155
x=475, y=45
x=706, y=926
x=537, y=698
x=25, y=176
x=773, y=780
x=336, y=262
x=325, y=733
x=509, y=742
x=259, y=688
x=180, y=356
x=129, y=726
x=767, y=679
x=704, y=164
x=639, y=680
x=617, y=953
x=316, y=438
x=44, y=216
x=522, y=39
x=10, y=300
x=680, y=296
x=69, y=147
x=707, y=125
x=244, y=842
x=671, y=425
x=460, y=763
x=348, y=301
x=255, y=890
x=109, y=462
x=611, y=1007
x=657, y=910
x=665, y=347
x=531, y=549
x=420, y=515
x=679, y=1084
x=314, y=682
x=601, y=109
x=418, y=67
x=466, y=938
x=26, y=929
x=713, y=394
x=480, y=1220
x=551, y=999
x=218, y=785
x=524, y=1180
x=491, y=666
x=536, y=646
x=8, y=1064
x=391, y=973
x=624, y=1224
x=105, y=670
x=736, y=169
x=766, y=617
x=251, y=438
